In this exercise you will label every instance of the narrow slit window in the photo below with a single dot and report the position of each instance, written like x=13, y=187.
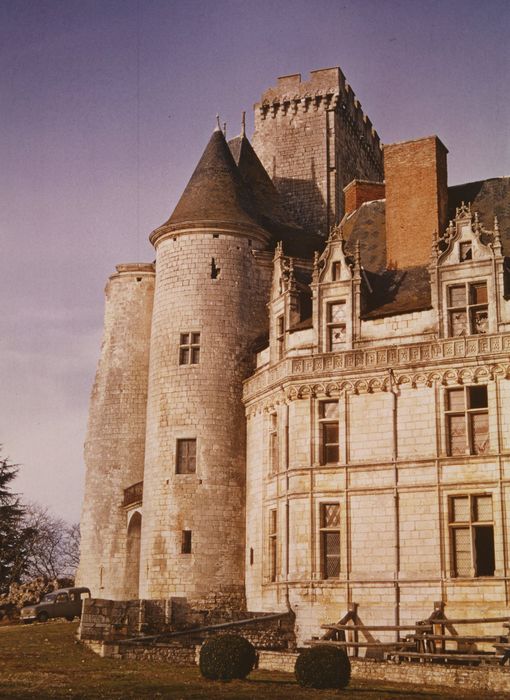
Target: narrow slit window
x=274, y=448
x=186, y=542
x=273, y=545
x=280, y=336
x=215, y=270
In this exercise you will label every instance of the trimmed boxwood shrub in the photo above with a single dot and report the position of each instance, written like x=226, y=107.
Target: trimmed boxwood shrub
x=227, y=656
x=323, y=666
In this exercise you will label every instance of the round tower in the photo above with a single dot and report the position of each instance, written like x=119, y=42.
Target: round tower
x=115, y=442
x=209, y=306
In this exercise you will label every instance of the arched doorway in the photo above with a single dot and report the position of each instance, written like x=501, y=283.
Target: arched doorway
x=132, y=575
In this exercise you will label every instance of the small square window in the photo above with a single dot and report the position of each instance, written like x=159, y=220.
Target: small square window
x=189, y=349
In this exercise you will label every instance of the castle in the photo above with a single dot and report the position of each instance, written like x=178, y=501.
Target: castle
x=306, y=401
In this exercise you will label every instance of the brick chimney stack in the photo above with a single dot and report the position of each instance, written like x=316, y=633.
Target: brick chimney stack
x=416, y=199
x=358, y=192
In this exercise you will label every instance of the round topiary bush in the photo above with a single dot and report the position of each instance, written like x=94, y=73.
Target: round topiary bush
x=226, y=657
x=323, y=666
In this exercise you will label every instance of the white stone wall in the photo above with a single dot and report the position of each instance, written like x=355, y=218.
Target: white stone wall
x=202, y=402
x=115, y=442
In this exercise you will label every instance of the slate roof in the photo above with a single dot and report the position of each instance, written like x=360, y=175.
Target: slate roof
x=390, y=292
x=215, y=193
x=230, y=186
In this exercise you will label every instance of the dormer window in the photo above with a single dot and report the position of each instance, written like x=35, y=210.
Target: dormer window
x=336, y=270
x=280, y=336
x=336, y=326
x=467, y=309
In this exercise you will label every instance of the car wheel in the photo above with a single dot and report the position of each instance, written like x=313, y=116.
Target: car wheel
x=42, y=617
x=69, y=618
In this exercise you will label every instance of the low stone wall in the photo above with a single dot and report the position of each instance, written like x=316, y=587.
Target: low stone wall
x=111, y=620
x=495, y=679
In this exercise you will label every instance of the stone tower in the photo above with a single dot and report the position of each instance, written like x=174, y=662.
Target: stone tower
x=313, y=138
x=209, y=306
x=115, y=442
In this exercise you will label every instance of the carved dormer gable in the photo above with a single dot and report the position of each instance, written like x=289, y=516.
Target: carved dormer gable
x=333, y=263
x=465, y=239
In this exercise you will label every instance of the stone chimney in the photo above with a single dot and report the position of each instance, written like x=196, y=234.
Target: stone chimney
x=416, y=199
x=359, y=191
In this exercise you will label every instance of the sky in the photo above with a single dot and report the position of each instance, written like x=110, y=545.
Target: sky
x=105, y=109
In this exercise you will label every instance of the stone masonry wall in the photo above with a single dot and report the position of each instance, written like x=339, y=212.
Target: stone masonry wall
x=313, y=139
x=199, y=401
x=115, y=442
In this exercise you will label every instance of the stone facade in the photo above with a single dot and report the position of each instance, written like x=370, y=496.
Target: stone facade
x=283, y=421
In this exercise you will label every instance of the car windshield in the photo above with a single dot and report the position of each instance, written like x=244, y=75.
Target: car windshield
x=49, y=597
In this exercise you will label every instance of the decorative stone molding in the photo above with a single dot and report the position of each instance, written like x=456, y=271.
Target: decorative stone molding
x=382, y=358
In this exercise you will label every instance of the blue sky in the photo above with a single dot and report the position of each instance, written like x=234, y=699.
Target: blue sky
x=105, y=109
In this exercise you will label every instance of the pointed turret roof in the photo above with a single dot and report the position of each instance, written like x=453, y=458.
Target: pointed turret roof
x=215, y=194
x=268, y=204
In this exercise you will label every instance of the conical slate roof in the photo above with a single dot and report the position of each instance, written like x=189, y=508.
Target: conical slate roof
x=268, y=205
x=215, y=193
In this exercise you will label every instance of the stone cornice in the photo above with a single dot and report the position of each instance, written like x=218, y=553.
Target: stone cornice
x=364, y=370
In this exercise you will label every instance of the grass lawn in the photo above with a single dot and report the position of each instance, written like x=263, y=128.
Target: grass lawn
x=44, y=661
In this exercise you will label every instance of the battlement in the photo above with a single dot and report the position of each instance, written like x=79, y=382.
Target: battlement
x=326, y=90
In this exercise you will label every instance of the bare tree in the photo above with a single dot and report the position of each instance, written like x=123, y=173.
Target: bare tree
x=53, y=549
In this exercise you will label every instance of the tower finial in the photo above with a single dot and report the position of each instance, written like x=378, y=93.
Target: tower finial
x=218, y=125
x=243, y=124
x=225, y=129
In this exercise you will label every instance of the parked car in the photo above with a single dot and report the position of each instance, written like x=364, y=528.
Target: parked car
x=66, y=602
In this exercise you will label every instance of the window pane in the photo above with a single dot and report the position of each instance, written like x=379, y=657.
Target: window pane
x=456, y=399
x=460, y=509
x=329, y=409
x=184, y=338
x=457, y=296
x=195, y=356
x=336, y=338
x=458, y=323
x=272, y=521
x=479, y=433
x=331, y=554
x=330, y=433
x=466, y=252
x=337, y=313
x=484, y=551
x=331, y=515
x=478, y=293
x=477, y=396
x=186, y=456
x=274, y=452
x=483, y=508
x=184, y=356
x=479, y=321
x=462, y=551
x=195, y=338
x=457, y=435
x=331, y=454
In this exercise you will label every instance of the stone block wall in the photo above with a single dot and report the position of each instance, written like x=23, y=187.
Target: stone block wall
x=115, y=442
x=313, y=139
